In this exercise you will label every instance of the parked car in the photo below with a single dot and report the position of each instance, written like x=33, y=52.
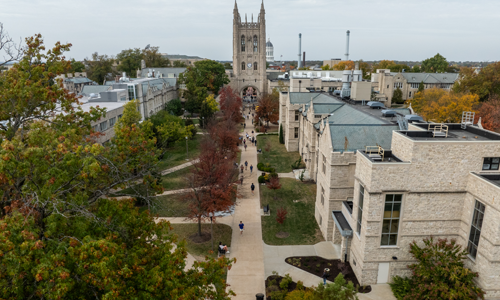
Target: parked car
x=375, y=104
x=414, y=118
x=388, y=113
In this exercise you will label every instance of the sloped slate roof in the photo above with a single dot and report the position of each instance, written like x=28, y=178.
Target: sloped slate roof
x=94, y=89
x=349, y=115
x=78, y=79
x=300, y=98
x=158, y=83
x=429, y=77
x=360, y=136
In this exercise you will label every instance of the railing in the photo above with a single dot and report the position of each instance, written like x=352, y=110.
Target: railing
x=438, y=130
x=375, y=152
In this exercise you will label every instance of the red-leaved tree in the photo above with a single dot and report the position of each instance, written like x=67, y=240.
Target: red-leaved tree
x=230, y=104
x=211, y=182
x=274, y=184
x=226, y=136
x=268, y=108
x=281, y=215
x=489, y=112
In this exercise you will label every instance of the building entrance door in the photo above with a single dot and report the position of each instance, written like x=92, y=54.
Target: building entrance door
x=383, y=273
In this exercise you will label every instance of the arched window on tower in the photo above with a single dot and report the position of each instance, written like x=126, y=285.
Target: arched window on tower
x=255, y=44
x=242, y=43
x=255, y=66
x=243, y=66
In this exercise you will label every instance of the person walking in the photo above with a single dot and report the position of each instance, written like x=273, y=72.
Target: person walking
x=325, y=276
x=242, y=227
x=251, y=168
x=241, y=179
x=255, y=142
x=245, y=142
x=246, y=165
x=252, y=187
x=241, y=169
x=245, y=147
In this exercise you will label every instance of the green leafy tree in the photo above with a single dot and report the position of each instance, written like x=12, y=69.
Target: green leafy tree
x=484, y=82
x=326, y=67
x=208, y=109
x=174, y=107
x=205, y=76
x=100, y=67
x=421, y=87
x=436, y=64
x=77, y=66
x=179, y=64
x=154, y=59
x=129, y=60
x=416, y=69
x=400, y=68
x=340, y=289
x=439, y=273
x=397, y=97
x=227, y=66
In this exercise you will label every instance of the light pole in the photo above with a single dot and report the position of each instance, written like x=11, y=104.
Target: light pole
x=212, y=231
x=187, y=149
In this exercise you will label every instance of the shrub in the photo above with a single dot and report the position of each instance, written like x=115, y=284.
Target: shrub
x=298, y=164
x=337, y=290
x=278, y=295
x=285, y=282
x=400, y=286
x=193, y=129
x=274, y=175
x=261, y=179
x=282, y=140
x=300, y=295
x=440, y=272
x=260, y=166
x=300, y=285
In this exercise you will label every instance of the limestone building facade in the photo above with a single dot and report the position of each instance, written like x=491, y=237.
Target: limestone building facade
x=249, y=53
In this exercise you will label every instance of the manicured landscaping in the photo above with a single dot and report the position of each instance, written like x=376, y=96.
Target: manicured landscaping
x=277, y=156
x=176, y=180
x=298, y=199
x=170, y=206
x=176, y=155
x=222, y=233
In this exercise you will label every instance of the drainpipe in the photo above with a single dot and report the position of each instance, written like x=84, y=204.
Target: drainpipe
x=346, y=245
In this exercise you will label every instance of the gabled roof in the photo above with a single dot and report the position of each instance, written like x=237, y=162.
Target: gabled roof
x=303, y=98
x=429, y=77
x=360, y=136
x=347, y=114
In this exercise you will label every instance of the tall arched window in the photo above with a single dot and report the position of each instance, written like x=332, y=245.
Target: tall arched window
x=255, y=44
x=255, y=66
x=243, y=66
x=242, y=43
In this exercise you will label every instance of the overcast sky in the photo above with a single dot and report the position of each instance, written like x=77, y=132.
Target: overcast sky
x=380, y=29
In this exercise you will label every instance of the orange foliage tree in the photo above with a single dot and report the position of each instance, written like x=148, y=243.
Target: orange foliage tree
x=230, y=104
x=490, y=114
x=268, y=108
x=438, y=105
x=344, y=65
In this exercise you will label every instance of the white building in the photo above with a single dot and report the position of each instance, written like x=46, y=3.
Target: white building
x=269, y=51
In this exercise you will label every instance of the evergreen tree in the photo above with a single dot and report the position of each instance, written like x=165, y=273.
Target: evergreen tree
x=282, y=138
x=421, y=87
x=397, y=97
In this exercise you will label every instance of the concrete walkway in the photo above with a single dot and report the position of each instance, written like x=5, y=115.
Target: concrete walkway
x=286, y=175
x=246, y=277
x=179, y=167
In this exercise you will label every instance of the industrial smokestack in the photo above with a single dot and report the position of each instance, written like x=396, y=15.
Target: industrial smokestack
x=347, y=45
x=304, y=59
x=300, y=49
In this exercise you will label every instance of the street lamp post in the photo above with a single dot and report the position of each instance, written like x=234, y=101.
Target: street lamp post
x=212, y=231
x=187, y=149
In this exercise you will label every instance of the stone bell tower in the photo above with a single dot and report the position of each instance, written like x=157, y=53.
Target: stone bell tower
x=249, y=53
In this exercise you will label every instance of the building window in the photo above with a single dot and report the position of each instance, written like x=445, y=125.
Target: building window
x=296, y=115
x=243, y=66
x=390, y=224
x=112, y=122
x=360, y=208
x=296, y=133
x=131, y=94
x=324, y=164
x=119, y=117
x=320, y=220
x=103, y=126
x=255, y=44
x=409, y=95
x=475, y=229
x=255, y=66
x=491, y=163
x=243, y=44
x=322, y=196
x=317, y=116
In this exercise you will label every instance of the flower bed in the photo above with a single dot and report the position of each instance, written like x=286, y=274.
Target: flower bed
x=315, y=265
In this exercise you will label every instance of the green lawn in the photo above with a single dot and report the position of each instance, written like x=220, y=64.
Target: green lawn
x=222, y=233
x=176, y=180
x=300, y=222
x=176, y=155
x=170, y=206
x=277, y=157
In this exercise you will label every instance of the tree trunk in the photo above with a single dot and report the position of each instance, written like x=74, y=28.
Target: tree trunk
x=199, y=226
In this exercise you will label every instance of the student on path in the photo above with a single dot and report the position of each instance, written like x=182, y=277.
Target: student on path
x=246, y=165
x=245, y=147
x=251, y=168
x=241, y=169
x=252, y=187
x=325, y=276
x=242, y=226
x=241, y=179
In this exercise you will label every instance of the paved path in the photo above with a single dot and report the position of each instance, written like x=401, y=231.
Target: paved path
x=179, y=167
x=286, y=175
x=246, y=277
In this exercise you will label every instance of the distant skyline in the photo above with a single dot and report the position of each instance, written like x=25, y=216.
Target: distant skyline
x=383, y=29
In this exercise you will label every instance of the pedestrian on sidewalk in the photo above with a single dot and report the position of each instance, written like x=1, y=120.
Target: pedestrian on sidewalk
x=245, y=125
x=325, y=275
x=241, y=169
x=245, y=147
x=246, y=165
x=251, y=168
x=244, y=142
x=255, y=142
x=241, y=179
x=252, y=187
x=242, y=226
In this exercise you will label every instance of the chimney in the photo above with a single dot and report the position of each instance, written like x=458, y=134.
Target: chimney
x=300, y=50
x=304, y=59
x=347, y=45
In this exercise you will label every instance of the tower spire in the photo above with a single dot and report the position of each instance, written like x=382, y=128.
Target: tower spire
x=262, y=5
x=235, y=5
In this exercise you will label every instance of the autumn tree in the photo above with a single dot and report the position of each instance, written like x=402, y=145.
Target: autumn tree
x=209, y=107
x=344, y=65
x=211, y=183
x=100, y=67
x=421, y=87
x=226, y=136
x=274, y=184
x=267, y=108
x=154, y=59
x=281, y=215
x=438, y=105
x=383, y=64
x=435, y=64
x=489, y=112
x=77, y=66
x=230, y=104
x=485, y=83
